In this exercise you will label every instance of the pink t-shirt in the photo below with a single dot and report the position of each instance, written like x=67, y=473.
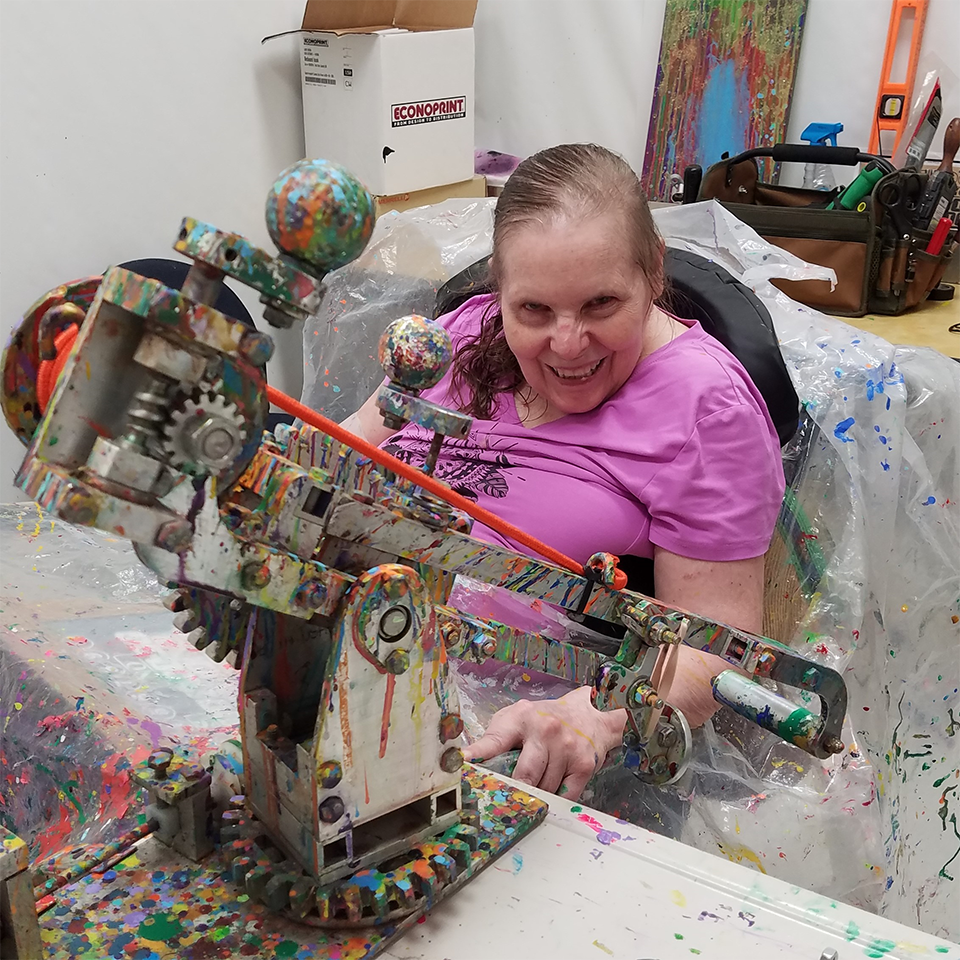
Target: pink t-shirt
x=683, y=456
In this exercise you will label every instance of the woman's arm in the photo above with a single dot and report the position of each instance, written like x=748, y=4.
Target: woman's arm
x=730, y=591
x=368, y=423
x=565, y=740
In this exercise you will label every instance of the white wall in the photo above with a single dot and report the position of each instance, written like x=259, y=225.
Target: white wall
x=550, y=71
x=119, y=118
x=555, y=71
x=841, y=55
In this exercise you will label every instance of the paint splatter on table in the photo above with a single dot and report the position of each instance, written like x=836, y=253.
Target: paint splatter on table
x=154, y=905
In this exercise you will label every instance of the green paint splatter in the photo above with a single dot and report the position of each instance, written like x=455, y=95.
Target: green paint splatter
x=878, y=948
x=853, y=931
x=243, y=898
x=218, y=934
x=164, y=926
x=942, y=949
x=937, y=783
x=575, y=809
x=286, y=948
x=563, y=789
x=797, y=727
x=678, y=936
x=694, y=950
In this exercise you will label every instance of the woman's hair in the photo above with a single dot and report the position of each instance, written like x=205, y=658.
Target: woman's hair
x=574, y=179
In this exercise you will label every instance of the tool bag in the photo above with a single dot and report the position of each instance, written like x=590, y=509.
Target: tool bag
x=879, y=268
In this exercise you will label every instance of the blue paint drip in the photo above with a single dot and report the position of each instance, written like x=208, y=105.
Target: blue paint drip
x=929, y=501
x=841, y=428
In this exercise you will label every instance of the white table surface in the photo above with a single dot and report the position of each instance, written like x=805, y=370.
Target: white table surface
x=584, y=885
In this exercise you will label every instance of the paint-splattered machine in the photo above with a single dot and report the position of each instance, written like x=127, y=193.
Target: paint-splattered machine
x=325, y=577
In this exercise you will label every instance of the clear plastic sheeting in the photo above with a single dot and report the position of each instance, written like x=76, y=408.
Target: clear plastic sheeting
x=93, y=677
x=874, y=488
x=410, y=256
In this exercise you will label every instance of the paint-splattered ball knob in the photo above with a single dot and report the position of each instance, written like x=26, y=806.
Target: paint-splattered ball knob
x=415, y=352
x=319, y=213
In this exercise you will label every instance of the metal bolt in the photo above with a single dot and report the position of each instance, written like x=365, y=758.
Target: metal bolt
x=214, y=368
x=79, y=507
x=174, y=536
x=833, y=745
x=391, y=422
x=329, y=774
x=311, y=595
x=215, y=442
x=451, y=760
x=451, y=726
x=159, y=761
x=255, y=575
x=256, y=347
x=659, y=766
x=630, y=740
x=829, y=953
x=667, y=736
x=269, y=734
x=331, y=810
x=397, y=661
x=276, y=314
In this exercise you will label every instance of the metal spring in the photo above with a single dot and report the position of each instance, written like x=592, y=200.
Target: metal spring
x=148, y=412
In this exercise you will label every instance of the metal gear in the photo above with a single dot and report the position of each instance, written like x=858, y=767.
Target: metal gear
x=204, y=435
x=212, y=622
x=385, y=893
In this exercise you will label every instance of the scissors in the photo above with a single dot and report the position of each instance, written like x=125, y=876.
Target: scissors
x=901, y=197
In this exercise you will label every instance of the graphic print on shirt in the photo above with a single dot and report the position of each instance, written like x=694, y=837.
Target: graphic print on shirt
x=462, y=465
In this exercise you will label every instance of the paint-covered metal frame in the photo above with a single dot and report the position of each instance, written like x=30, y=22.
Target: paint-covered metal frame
x=326, y=580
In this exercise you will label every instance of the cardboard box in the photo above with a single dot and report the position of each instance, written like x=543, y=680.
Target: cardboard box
x=388, y=90
x=474, y=187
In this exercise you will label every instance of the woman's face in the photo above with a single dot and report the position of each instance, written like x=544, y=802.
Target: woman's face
x=574, y=307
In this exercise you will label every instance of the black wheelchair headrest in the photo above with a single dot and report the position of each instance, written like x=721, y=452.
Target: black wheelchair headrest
x=698, y=290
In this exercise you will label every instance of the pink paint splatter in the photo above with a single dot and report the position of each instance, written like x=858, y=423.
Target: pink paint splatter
x=605, y=836
x=77, y=641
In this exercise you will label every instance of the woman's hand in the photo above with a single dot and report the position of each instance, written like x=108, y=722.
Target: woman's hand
x=564, y=741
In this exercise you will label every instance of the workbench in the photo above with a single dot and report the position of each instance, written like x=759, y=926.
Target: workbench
x=581, y=885
x=928, y=325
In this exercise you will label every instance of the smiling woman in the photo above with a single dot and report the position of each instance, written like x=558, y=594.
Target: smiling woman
x=601, y=423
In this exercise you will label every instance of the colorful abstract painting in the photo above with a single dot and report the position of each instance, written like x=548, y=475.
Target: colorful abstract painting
x=724, y=83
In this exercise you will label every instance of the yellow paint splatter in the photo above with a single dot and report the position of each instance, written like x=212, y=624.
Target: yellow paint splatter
x=678, y=898
x=789, y=763
x=600, y=946
x=737, y=853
